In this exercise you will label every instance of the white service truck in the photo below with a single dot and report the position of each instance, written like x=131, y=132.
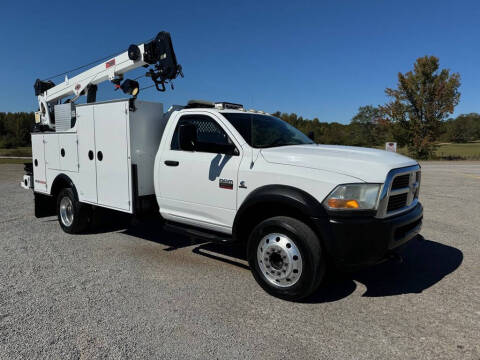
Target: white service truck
x=219, y=171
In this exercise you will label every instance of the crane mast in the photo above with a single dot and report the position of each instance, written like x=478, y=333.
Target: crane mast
x=157, y=55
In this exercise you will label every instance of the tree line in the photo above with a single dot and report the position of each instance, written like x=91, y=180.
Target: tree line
x=417, y=116
x=368, y=128
x=15, y=129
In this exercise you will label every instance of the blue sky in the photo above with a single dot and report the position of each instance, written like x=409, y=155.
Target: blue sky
x=318, y=59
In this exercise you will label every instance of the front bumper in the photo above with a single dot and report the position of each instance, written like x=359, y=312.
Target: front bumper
x=359, y=241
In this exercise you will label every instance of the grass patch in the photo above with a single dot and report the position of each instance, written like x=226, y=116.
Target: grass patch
x=20, y=151
x=467, y=151
x=14, y=161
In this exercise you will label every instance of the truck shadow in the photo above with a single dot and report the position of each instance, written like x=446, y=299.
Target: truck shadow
x=425, y=263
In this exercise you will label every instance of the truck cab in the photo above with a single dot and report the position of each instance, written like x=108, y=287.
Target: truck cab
x=255, y=178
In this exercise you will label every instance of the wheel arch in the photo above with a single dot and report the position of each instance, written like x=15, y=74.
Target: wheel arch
x=275, y=200
x=60, y=182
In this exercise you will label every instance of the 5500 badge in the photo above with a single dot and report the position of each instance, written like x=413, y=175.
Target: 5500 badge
x=225, y=184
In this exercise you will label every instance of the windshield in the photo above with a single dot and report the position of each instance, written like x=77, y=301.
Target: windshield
x=263, y=131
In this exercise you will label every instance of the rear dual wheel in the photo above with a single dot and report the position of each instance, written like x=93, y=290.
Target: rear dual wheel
x=73, y=216
x=286, y=257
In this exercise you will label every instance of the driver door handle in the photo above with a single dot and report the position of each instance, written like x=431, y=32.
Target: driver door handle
x=171, y=163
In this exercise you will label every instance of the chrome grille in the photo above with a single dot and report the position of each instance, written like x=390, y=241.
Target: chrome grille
x=401, y=181
x=400, y=191
x=396, y=202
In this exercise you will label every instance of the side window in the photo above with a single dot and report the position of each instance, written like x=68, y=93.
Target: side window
x=210, y=136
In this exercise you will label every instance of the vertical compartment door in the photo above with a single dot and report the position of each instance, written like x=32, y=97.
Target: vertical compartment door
x=39, y=171
x=87, y=179
x=52, y=154
x=112, y=155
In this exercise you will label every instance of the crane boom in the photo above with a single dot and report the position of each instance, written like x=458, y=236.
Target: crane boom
x=157, y=53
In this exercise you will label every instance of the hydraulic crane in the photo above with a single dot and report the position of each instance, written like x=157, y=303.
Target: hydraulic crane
x=157, y=55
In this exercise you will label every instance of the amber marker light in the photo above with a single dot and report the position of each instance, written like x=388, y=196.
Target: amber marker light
x=343, y=204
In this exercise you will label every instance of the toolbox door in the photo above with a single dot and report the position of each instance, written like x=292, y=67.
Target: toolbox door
x=87, y=191
x=112, y=155
x=38, y=158
x=68, y=152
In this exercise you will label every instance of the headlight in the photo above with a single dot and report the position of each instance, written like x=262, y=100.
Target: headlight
x=353, y=197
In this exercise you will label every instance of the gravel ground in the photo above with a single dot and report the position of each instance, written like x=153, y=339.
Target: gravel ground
x=139, y=292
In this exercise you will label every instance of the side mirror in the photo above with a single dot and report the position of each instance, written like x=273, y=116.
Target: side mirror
x=228, y=149
x=311, y=135
x=187, y=137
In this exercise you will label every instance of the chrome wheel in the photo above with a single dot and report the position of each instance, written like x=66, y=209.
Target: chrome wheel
x=279, y=259
x=66, y=211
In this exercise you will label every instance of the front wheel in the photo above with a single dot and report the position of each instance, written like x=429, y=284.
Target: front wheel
x=286, y=257
x=73, y=216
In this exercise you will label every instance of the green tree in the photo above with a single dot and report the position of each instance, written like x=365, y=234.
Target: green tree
x=15, y=129
x=423, y=99
x=367, y=126
x=464, y=128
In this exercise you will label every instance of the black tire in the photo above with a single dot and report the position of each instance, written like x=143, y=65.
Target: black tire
x=80, y=213
x=305, y=241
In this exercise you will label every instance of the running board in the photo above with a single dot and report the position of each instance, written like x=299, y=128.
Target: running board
x=208, y=235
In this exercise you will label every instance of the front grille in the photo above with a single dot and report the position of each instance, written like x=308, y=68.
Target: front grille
x=400, y=192
x=401, y=181
x=397, y=202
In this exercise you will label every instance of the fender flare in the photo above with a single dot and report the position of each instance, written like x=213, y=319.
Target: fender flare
x=292, y=197
x=63, y=179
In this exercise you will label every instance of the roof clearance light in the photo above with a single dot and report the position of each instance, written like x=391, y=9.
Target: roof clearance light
x=226, y=105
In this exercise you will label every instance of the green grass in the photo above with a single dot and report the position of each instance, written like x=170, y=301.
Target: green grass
x=14, y=161
x=467, y=151
x=20, y=151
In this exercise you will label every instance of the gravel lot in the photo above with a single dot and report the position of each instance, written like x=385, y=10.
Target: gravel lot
x=140, y=292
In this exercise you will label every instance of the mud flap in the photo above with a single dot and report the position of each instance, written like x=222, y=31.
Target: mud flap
x=45, y=205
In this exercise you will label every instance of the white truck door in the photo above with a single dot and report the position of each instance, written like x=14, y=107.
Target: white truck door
x=87, y=189
x=200, y=187
x=39, y=171
x=113, y=165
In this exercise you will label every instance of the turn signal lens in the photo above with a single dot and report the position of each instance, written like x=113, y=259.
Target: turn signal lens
x=353, y=197
x=343, y=204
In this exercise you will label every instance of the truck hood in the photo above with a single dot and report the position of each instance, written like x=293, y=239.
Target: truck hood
x=369, y=165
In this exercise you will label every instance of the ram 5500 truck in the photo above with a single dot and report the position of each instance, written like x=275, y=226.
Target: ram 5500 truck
x=236, y=176
x=218, y=171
